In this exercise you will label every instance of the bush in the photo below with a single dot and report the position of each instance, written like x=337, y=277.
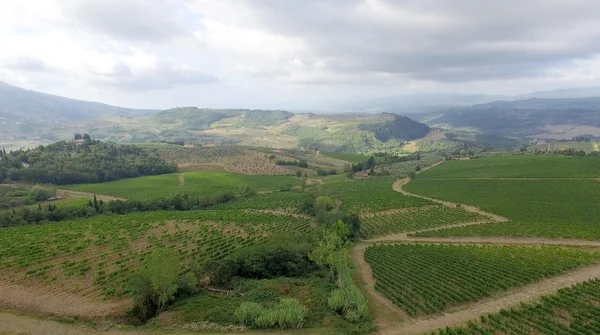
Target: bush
x=337, y=301
x=288, y=313
x=248, y=312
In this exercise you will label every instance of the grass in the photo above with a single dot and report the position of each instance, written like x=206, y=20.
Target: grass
x=537, y=208
x=312, y=292
x=518, y=166
x=194, y=183
x=427, y=279
x=573, y=310
x=348, y=157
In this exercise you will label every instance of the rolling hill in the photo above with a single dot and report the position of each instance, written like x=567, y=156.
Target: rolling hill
x=18, y=105
x=546, y=118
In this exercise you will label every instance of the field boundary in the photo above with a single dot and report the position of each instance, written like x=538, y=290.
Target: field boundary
x=86, y=195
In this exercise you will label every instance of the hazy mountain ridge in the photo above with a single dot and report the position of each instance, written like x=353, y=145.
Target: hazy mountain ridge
x=18, y=104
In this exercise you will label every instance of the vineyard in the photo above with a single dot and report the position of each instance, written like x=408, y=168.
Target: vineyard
x=545, y=208
x=371, y=195
x=572, y=311
x=519, y=166
x=402, y=169
x=95, y=257
x=275, y=200
x=195, y=184
x=427, y=279
x=379, y=224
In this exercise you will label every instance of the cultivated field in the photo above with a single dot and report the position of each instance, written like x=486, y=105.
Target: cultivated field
x=193, y=183
x=95, y=257
x=426, y=279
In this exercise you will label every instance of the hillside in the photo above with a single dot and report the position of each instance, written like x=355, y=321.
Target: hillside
x=193, y=118
x=547, y=118
x=17, y=104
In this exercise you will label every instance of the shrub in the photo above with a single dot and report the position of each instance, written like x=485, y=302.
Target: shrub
x=337, y=301
x=248, y=312
x=288, y=313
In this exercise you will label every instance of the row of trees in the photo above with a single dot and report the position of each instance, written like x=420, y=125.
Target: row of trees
x=52, y=213
x=71, y=163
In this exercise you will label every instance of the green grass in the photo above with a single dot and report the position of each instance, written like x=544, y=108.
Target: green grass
x=370, y=195
x=573, y=310
x=427, y=279
x=414, y=219
x=195, y=184
x=348, y=157
x=542, y=208
x=518, y=166
x=312, y=292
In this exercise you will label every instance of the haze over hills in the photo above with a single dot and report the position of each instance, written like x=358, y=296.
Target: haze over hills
x=18, y=104
x=28, y=118
x=551, y=118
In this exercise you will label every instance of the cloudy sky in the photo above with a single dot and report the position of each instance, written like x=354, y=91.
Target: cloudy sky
x=293, y=54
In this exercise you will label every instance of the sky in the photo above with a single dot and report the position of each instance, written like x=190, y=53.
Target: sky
x=294, y=54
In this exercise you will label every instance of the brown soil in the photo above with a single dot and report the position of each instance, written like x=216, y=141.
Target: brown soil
x=37, y=300
x=85, y=195
x=388, y=315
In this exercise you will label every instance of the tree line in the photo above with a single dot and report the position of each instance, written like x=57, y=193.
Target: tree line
x=53, y=213
x=86, y=161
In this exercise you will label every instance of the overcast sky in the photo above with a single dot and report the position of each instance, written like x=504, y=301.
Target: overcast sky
x=293, y=53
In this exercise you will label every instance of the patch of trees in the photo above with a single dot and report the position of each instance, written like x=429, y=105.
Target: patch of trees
x=332, y=252
x=582, y=138
x=388, y=158
x=12, y=196
x=400, y=127
x=81, y=162
x=53, y=213
x=300, y=163
x=327, y=213
x=326, y=172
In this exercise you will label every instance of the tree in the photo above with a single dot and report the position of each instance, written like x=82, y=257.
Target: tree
x=247, y=191
x=324, y=203
x=156, y=284
x=412, y=175
x=298, y=174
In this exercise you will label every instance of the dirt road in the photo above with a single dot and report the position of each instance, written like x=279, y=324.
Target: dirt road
x=85, y=195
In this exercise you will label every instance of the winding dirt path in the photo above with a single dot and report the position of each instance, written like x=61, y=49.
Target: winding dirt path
x=508, y=299
x=467, y=312
x=401, y=182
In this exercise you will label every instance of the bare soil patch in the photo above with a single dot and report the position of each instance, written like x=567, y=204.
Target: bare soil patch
x=85, y=195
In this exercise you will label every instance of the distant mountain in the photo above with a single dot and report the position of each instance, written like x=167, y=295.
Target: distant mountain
x=415, y=103
x=18, y=104
x=521, y=118
x=193, y=118
x=568, y=93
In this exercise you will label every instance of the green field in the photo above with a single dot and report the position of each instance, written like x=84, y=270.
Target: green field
x=97, y=256
x=572, y=311
x=414, y=219
x=427, y=279
x=518, y=166
x=545, y=208
x=370, y=195
x=194, y=184
x=348, y=157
